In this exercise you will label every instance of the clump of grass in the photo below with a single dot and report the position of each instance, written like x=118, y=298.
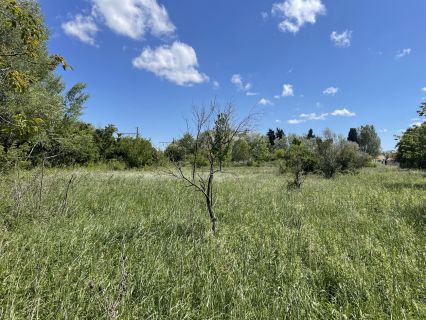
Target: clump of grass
x=138, y=245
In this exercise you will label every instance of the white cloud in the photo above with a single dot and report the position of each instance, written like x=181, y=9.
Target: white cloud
x=237, y=80
x=277, y=97
x=134, y=18
x=296, y=121
x=277, y=121
x=83, y=28
x=417, y=122
x=250, y=94
x=288, y=90
x=343, y=39
x=265, y=102
x=402, y=53
x=331, y=91
x=264, y=15
x=176, y=63
x=296, y=13
x=383, y=130
x=313, y=116
x=343, y=113
x=424, y=89
x=305, y=117
x=216, y=84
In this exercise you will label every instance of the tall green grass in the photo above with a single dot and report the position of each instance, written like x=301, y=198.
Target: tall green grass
x=138, y=245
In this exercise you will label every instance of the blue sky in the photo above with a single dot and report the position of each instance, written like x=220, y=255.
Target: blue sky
x=301, y=63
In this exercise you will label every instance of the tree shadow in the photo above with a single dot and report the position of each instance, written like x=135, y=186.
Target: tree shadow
x=416, y=217
x=404, y=185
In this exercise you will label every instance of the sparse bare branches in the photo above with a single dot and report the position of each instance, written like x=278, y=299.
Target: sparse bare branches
x=215, y=130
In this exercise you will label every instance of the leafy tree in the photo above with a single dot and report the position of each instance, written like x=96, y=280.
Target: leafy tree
x=271, y=136
x=310, y=134
x=299, y=160
x=369, y=141
x=279, y=133
x=411, y=147
x=219, y=130
x=422, y=109
x=23, y=52
x=106, y=142
x=328, y=158
x=353, y=135
x=74, y=102
x=136, y=152
x=222, y=137
x=240, y=150
x=259, y=150
x=174, y=152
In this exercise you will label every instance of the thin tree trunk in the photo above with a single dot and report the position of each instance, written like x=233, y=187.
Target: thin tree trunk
x=209, y=197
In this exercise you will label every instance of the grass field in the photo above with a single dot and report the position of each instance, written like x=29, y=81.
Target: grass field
x=137, y=245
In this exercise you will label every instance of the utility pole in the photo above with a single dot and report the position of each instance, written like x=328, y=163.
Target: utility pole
x=137, y=132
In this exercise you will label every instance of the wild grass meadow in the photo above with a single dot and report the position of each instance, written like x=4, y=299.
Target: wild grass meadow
x=84, y=244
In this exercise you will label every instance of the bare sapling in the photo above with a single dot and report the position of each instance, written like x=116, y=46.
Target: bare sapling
x=215, y=130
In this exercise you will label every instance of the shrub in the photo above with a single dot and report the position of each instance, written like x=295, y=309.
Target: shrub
x=137, y=152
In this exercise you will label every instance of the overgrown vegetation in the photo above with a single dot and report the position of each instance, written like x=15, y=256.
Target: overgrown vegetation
x=412, y=145
x=138, y=245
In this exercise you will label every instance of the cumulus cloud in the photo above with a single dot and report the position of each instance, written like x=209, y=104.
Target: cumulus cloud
x=277, y=97
x=265, y=102
x=134, y=18
x=83, y=28
x=288, y=90
x=424, y=89
x=305, y=117
x=343, y=113
x=131, y=18
x=343, y=39
x=237, y=80
x=176, y=63
x=331, y=91
x=402, y=53
x=264, y=15
x=296, y=121
x=313, y=116
x=296, y=13
x=250, y=94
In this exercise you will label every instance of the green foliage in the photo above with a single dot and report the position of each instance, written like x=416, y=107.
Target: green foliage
x=271, y=137
x=299, y=160
x=369, y=141
x=280, y=154
x=412, y=148
x=175, y=152
x=259, y=148
x=77, y=146
x=106, y=142
x=222, y=138
x=136, y=153
x=74, y=102
x=353, y=135
x=348, y=248
x=328, y=157
x=23, y=53
x=412, y=145
x=310, y=134
x=241, y=150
